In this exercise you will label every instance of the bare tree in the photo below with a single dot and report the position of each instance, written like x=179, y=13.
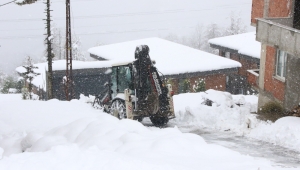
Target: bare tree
x=57, y=44
x=236, y=25
x=196, y=39
x=76, y=49
x=212, y=31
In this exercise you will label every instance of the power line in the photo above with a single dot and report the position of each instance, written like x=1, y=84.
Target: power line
x=129, y=14
x=7, y=3
x=132, y=23
x=101, y=33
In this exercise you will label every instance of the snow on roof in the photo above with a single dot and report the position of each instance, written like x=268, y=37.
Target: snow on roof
x=40, y=80
x=171, y=58
x=244, y=43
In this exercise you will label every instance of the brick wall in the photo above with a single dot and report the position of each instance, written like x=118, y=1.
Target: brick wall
x=280, y=8
x=216, y=81
x=272, y=85
x=252, y=80
x=277, y=8
x=246, y=64
x=257, y=10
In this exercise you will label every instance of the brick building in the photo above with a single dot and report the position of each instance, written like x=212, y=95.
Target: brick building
x=88, y=77
x=277, y=28
x=177, y=62
x=246, y=50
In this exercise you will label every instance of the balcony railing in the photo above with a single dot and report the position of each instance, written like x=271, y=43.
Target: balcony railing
x=280, y=33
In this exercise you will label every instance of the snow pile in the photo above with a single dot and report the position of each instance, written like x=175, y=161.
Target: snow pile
x=284, y=132
x=87, y=99
x=226, y=115
x=244, y=43
x=218, y=98
x=10, y=97
x=73, y=135
x=35, y=116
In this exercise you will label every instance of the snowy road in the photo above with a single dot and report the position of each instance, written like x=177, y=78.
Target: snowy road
x=279, y=156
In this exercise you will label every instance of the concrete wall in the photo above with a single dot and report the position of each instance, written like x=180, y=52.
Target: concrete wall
x=292, y=89
x=283, y=37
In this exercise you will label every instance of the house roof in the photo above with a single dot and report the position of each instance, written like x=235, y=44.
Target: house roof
x=244, y=44
x=171, y=58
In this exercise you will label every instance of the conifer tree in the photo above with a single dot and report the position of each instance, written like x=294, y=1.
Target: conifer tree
x=29, y=75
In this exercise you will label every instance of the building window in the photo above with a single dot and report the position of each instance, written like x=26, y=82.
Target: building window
x=227, y=54
x=281, y=63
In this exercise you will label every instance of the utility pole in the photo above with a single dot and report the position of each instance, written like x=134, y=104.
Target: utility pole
x=59, y=42
x=49, y=52
x=69, y=76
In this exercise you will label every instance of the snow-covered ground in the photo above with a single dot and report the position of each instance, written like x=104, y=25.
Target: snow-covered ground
x=73, y=135
x=221, y=117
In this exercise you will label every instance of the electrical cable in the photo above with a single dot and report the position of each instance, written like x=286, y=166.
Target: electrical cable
x=128, y=14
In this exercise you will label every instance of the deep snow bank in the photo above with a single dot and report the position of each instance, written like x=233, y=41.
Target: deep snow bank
x=81, y=137
x=284, y=132
x=19, y=118
x=224, y=114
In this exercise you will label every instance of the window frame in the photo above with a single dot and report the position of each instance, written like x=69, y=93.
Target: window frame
x=281, y=60
x=227, y=55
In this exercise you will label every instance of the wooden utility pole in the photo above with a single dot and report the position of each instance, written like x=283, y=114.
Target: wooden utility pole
x=49, y=52
x=69, y=76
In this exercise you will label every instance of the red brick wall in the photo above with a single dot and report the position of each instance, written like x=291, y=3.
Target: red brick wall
x=272, y=85
x=280, y=8
x=216, y=81
x=277, y=8
x=246, y=64
x=175, y=86
x=252, y=79
x=257, y=10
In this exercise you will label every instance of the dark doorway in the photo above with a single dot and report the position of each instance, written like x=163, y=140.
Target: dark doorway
x=296, y=22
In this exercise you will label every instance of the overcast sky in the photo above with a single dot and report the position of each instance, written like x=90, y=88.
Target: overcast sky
x=102, y=21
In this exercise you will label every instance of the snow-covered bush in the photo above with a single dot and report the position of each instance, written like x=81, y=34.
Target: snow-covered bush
x=185, y=86
x=199, y=85
x=272, y=111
